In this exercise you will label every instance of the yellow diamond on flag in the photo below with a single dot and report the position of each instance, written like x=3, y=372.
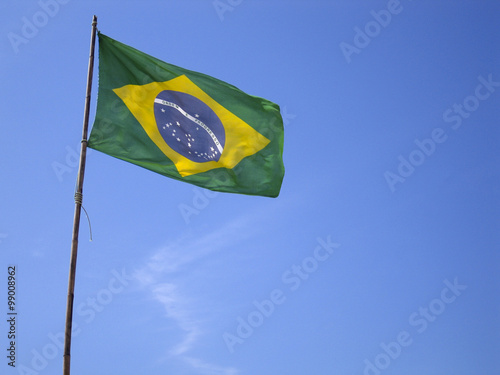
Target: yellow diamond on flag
x=194, y=131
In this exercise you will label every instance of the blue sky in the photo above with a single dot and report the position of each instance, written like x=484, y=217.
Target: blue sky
x=380, y=256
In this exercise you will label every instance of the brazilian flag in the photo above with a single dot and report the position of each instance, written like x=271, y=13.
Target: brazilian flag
x=185, y=125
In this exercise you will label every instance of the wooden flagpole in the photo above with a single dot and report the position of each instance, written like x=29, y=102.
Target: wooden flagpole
x=78, y=207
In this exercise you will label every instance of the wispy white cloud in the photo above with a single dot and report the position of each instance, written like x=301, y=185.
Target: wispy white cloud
x=162, y=276
x=175, y=305
x=186, y=249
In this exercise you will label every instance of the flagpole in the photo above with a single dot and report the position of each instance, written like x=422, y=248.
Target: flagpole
x=78, y=207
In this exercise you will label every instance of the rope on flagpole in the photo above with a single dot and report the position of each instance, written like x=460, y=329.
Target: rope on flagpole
x=79, y=200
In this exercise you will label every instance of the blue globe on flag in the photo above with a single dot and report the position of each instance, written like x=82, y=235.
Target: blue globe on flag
x=189, y=126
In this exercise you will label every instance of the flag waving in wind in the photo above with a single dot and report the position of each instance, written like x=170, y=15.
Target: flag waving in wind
x=185, y=125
